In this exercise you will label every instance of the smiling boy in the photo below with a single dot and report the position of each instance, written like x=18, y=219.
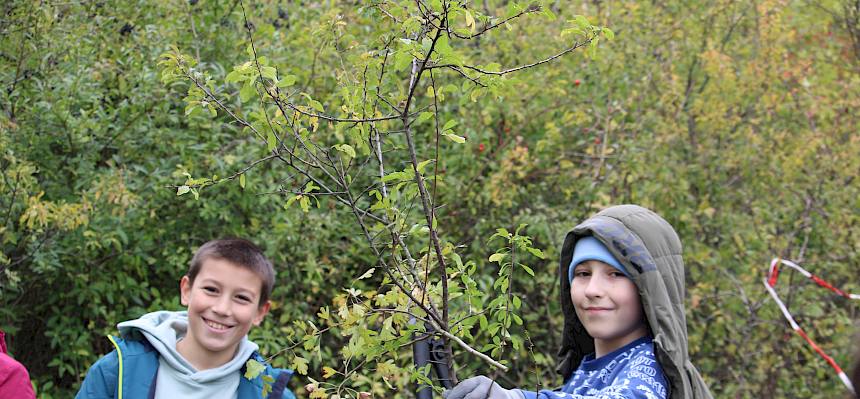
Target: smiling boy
x=604, y=298
x=201, y=352
x=622, y=295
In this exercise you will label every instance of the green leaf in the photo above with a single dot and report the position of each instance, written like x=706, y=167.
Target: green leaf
x=424, y=116
x=592, y=48
x=463, y=31
x=423, y=164
x=253, y=369
x=247, y=92
x=234, y=76
x=477, y=93
x=497, y=257
x=502, y=232
x=449, y=125
x=814, y=310
x=537, y=252
x=346, y=149
x=242, y=181
x=514, y=8
x=426, y=43
x=291, y=200
x=572, y=31
x=305, y=203
x=419, y=229
x=582, y=22
x=608, y=33
x=397, y=176
x=286, y=81
x=316, y=105
x=528, y=270
x=271, y=141
x=402, y=60
x=269, y=72
x=455, y=138
x=182, y=190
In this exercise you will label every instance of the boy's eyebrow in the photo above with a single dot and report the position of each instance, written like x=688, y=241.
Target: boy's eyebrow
x=218, y=283
x=247, y=291
x=210, y=281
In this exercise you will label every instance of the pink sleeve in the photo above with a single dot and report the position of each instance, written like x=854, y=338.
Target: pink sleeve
x=14, y=380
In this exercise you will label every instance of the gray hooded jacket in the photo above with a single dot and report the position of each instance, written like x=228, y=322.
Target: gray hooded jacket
x=650, y=250
x=176, y=376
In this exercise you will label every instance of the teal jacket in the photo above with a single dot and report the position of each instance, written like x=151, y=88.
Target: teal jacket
x=129, y=372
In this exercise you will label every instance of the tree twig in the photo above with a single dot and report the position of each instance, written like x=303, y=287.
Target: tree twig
x=519, y=68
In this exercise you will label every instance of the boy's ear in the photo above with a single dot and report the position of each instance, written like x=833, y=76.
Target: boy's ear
x=261, y=313
x=184, y=290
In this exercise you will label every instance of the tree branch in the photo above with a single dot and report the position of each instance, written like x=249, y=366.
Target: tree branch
x=519, y=68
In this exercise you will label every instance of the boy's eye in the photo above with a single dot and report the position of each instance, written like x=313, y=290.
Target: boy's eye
x=617, y=274
x=211, y=290
x=581, y=273
x=243, y=298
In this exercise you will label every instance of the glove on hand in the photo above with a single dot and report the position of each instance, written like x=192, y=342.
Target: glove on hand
x=480, y=387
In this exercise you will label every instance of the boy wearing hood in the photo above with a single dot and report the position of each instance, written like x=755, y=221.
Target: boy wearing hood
x=201, y=352
x=625, y=334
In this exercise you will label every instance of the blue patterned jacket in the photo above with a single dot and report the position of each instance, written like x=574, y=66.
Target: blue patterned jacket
x=629, y=372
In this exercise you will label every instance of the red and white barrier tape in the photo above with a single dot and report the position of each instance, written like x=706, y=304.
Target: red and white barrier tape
x=770, y=284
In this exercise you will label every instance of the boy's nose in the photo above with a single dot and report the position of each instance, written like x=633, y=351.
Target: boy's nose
x=222, y=306
x=595, y=287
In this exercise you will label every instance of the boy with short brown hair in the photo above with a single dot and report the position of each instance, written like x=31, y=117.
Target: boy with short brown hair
x=201, y=352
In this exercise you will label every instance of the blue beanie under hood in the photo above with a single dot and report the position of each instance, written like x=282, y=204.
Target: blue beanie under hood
x=590, y=248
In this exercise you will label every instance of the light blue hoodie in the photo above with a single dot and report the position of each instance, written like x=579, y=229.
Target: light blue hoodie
x=176, y=377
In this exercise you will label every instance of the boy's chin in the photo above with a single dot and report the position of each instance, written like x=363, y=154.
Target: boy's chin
x=219, y=345
x=218, y=341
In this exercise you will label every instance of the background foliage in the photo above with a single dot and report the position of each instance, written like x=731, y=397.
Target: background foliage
x=736, y=121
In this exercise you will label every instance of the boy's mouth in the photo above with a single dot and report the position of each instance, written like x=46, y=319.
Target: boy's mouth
x=215, y=325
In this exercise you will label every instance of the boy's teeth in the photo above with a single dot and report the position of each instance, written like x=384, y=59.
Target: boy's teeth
x=215, y=325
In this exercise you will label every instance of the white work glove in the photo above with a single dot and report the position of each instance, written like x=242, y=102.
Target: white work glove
x=480, y=387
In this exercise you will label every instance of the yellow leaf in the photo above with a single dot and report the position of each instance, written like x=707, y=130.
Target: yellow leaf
x=300, y=364
x=470, y=21
x=328, y=372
